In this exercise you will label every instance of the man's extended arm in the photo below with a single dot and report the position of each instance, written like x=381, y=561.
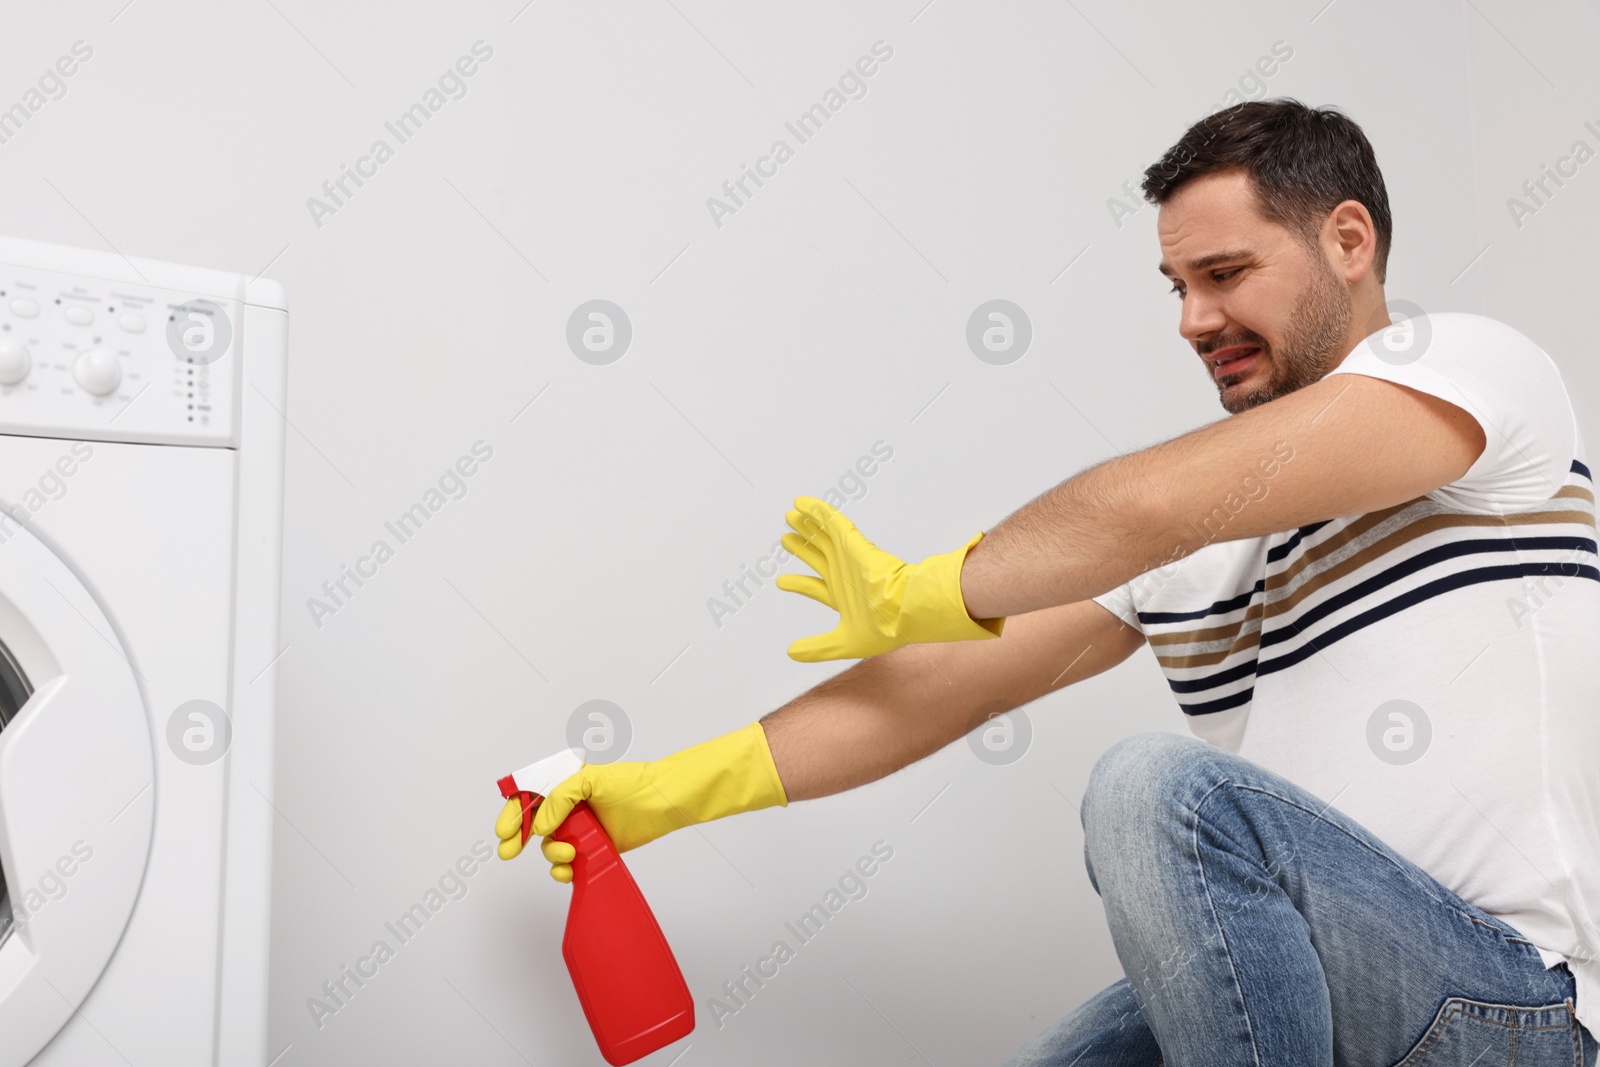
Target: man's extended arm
x=1353, y=444
x=854, y=728
x=892, y=710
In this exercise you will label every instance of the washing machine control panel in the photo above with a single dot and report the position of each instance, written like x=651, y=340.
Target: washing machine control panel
x=108, y=360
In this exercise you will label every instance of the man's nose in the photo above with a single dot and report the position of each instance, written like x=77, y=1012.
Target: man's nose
x=1201, y=317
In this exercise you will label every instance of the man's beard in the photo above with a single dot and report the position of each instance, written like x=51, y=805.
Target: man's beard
x=1313, y=342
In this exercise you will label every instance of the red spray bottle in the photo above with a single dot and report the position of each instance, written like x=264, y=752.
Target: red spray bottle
x=629, y=984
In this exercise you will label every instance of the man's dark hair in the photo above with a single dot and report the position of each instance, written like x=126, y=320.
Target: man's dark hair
x=1302, y=162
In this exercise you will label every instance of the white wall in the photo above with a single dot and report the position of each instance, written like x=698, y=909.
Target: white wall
x=767, y=356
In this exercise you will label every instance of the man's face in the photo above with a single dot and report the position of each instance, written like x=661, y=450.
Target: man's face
x=1266, y=313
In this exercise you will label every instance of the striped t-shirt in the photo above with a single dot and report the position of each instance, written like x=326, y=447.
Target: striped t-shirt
x=1431, y=669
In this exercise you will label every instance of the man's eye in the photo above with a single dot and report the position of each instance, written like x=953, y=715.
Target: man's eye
x=1222, y=276
x=1177, y=289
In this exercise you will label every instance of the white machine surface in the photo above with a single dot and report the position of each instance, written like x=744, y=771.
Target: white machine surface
x=141, y=459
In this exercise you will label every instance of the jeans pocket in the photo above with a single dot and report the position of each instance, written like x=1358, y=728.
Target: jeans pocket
x=1471, y=1033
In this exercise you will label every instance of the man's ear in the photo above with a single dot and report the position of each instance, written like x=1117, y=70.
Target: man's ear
x=1349, y=229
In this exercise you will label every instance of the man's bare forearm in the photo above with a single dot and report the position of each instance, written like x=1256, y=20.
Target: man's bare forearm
x=1357, y=445
x=1075, y=541
x=889, y=711
x=850, y=730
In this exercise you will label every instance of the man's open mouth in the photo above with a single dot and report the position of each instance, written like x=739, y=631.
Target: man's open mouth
x=1232, y=360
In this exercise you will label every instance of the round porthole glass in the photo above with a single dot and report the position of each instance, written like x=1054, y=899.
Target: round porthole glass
x=14, y=692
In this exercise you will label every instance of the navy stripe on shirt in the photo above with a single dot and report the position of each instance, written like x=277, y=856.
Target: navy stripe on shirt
x=1426, y=592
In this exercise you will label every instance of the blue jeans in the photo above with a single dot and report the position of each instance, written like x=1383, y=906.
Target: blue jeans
x=1258, y=925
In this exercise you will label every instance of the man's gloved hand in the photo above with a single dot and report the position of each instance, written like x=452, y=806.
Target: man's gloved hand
x=508, y=828
x=883, y=602
x=638, y=802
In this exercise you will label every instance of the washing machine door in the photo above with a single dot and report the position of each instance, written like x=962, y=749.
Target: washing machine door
x=77, y=794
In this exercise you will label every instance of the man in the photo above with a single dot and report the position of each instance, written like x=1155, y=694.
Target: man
x=1375, y=583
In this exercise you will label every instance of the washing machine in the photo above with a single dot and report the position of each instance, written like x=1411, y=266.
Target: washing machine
x=142, y=423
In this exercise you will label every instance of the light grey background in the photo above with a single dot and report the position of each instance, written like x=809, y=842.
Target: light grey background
x=767, y=356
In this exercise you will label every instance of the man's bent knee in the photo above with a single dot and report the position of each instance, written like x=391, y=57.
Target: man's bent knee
x=1135, y=781
x=1144, y=764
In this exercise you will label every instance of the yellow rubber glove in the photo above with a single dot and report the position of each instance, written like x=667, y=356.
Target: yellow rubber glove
x=638, y=802
x=883, y=602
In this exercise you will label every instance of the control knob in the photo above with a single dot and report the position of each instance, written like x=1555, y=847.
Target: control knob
x=15, y=362
x=98, y=372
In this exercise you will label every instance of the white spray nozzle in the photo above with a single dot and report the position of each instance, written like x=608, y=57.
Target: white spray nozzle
x=545, y=775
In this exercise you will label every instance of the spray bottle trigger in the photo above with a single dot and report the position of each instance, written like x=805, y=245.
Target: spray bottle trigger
x=534, y=782
x=528, y=800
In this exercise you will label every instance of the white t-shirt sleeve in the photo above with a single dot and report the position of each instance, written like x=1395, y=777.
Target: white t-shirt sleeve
x=1503, y=380
x=1119, y=602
